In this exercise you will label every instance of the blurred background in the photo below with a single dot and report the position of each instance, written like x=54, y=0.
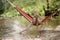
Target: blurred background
x=28, y=6
x=12, y=22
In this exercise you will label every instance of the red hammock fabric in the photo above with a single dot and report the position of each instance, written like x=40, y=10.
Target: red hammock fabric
x=29, y=18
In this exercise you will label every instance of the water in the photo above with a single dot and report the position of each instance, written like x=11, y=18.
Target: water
x=10, y=30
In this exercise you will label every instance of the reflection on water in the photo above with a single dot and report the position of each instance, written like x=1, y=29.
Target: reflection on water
x=10, y=30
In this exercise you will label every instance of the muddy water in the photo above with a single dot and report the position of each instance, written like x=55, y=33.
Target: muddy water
x=10, y=30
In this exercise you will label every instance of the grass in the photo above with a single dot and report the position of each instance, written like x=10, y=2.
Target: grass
x=28, y=7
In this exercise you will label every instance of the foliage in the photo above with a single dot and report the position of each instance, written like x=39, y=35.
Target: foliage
x=29, y=6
